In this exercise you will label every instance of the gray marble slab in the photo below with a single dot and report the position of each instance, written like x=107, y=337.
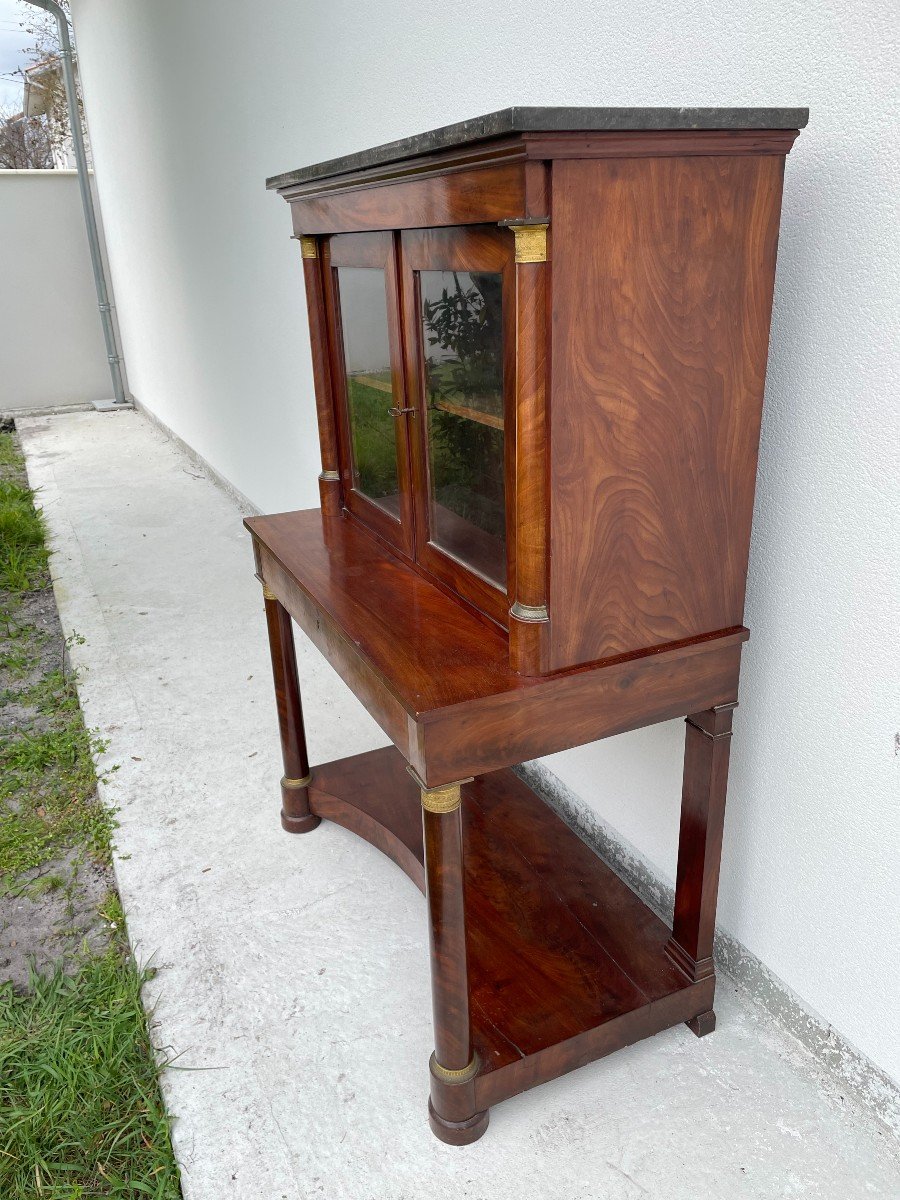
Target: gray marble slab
x=547, y=120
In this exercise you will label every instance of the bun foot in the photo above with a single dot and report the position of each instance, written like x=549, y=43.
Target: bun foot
x=703, y=1024
x=299, y=824
x=458, y=1133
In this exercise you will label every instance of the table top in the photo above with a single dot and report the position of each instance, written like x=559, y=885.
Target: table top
x=435, y=674
x=509, y=121
x=430, y=649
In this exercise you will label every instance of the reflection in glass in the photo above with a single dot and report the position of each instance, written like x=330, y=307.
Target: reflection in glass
x=370, y=394
x=463, y=341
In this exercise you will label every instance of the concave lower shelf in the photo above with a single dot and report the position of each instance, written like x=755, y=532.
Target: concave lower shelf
x=566, y=963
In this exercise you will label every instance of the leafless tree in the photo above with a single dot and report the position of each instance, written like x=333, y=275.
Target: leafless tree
x=24, y=142
x=48, y=83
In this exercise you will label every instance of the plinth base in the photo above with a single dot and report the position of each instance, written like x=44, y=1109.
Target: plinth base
x=458, y=1133
x=299, y=824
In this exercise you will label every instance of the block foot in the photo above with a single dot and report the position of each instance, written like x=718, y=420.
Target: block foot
x=458, y=1133
x=703, y=1024
x=299, y=824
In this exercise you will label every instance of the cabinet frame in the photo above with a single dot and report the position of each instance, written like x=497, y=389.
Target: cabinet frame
x=401, y=255
x=641, y=250
x=469, y=248
x=369, y=251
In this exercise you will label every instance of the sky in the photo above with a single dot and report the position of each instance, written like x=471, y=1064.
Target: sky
x=12, y=44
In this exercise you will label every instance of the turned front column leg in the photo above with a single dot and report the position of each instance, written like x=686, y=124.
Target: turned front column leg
x=454, y=1064
x=295, y=812
x=706, y=753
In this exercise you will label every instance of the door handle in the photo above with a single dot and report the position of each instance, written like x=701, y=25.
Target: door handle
x=399, y=412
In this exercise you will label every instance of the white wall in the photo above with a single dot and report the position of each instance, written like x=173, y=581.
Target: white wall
x=192, y=106
x=51, y=340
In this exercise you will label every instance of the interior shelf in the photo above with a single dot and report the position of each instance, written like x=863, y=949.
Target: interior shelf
x=565, y=962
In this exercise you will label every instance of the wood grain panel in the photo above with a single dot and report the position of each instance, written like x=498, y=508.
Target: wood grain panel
x=550, y=954
x=575, y=707
x=295, y=813
x=529, y=641
x=660, y=332
x=374, y=796
x=563, y=966
x=497, y=152
x=650, y=143
x=437, y=678
x=428, y=648
x=330, y=486
x=706, y=755
x=447, y=909
x=623, y=1029
x=483, y=195
x=327, y=637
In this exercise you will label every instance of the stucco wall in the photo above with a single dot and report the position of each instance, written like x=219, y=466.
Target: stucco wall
x=51, y=341
x=192, y=106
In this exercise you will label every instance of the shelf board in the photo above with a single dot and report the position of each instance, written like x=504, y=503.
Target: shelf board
x=566, y=963
x=469, y=414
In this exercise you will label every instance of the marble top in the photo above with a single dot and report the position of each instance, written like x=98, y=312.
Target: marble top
x=547, y=120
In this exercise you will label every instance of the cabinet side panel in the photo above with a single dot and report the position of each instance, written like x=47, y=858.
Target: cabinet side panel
x=662, y=278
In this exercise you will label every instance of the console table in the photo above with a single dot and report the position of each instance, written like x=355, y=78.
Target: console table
x=539, y=344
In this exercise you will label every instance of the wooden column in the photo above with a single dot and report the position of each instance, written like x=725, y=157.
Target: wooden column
x=707, y=746
x=454, y=1064
x=295, y=812
x=330, y=478
x=529, y=624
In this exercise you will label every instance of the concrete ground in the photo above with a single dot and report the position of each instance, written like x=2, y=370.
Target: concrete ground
x=293, y=971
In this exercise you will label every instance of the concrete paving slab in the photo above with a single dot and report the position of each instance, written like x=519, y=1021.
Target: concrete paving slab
x=293, y=973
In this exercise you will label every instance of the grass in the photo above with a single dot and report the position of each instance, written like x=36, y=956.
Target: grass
x=23, y=555
x=48, y=788
x=466, y=458
x=374, y=438
x=9, y=455
x=80, y=1109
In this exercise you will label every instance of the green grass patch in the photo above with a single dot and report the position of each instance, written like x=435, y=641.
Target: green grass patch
x=80, y=1110
x=9, y=454
x=48, y=788
x=374, y=438
x=23, y=555
x=20, y=644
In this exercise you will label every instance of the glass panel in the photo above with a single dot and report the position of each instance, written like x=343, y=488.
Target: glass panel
x=462, y=331
x=370, y=394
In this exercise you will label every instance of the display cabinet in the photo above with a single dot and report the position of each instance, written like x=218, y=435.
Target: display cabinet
x=539, y=345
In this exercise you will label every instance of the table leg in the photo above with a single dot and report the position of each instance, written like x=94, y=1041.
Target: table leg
x=707, y=745
x=295, y=812
x=454, y=1064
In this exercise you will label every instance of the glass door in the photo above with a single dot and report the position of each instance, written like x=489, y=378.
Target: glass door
x=367, y=367
x=458, y=320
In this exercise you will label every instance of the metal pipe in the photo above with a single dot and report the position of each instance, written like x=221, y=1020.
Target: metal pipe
x=87, y=199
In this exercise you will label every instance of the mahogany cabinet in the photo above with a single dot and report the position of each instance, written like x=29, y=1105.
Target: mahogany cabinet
x=539, y=346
